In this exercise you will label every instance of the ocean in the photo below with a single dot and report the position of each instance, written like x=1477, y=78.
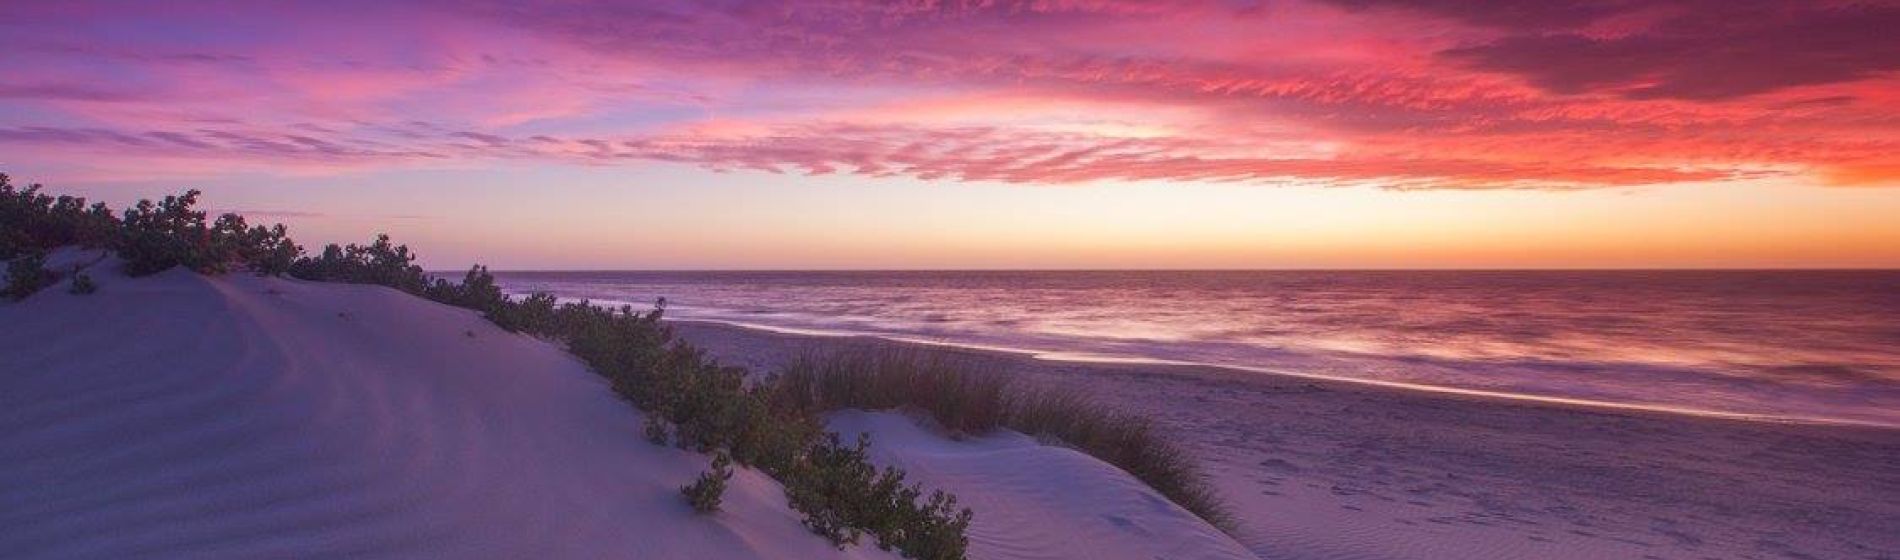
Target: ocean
x=1819, y=346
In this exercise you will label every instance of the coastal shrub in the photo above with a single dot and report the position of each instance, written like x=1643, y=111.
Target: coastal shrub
x=712, y=408
x=534, y=314
x=152, y=236
x=656, y=431
x=82, y=284
x=168, y=233
x=845, y=496
x=267, y=251
x=381, y=262
x=476, y=291
x=705, y=492
x=31, y=221
x=26, y=274
x=155, y=236
x=966, y=400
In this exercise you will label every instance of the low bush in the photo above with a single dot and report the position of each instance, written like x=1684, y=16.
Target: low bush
x=26, y=274
x=845, y=496
x=32, y=222
x=968, y=400
x=381, y=263
x=705, y=493
x=82, y=284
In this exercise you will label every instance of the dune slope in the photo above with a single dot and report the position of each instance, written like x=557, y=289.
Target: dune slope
x=1040, y=501
x=188, y=416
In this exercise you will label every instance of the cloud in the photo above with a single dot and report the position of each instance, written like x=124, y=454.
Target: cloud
x=1395, y=93
x=69, y=92
x=1676, y=49
x=952, y=153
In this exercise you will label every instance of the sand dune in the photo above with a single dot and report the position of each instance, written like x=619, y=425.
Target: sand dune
x=187, y=416
x=1040, y=501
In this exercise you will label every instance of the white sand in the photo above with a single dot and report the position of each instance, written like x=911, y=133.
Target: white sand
x=1334, y=471
x=185, y=416
x=1040, y=501
x=242, y=417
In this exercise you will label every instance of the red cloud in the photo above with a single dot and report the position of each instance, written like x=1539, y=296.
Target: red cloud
x=1397, y=93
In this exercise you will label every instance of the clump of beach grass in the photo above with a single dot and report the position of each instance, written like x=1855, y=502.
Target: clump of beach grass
x=960, y=399
x=964, y=398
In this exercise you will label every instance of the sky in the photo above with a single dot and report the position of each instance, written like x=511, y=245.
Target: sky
x=1049, y=134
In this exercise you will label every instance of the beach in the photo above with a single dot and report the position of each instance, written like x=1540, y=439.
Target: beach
x=1327, y=470
x=181, y=415
x=950, y=280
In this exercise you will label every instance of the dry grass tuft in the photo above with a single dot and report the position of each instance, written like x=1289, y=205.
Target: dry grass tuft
x=968, y=400
x=961, y=399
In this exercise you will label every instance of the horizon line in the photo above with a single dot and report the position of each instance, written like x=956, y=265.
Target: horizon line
x=1367, y=269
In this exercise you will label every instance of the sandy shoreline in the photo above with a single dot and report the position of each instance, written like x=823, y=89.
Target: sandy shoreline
x=1331, y=470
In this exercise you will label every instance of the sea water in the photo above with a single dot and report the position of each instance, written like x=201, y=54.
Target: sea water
x=1802, y=345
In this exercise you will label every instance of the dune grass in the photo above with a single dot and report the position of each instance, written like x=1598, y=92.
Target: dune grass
x=961, y=399
x=965, y=399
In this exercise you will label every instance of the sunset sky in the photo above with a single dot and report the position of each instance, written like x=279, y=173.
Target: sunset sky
x=1274, y=134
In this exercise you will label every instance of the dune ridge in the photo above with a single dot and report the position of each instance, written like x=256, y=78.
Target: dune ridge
x=189, y=416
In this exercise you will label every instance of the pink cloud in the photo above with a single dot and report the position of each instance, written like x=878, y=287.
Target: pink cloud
x=1397, y=93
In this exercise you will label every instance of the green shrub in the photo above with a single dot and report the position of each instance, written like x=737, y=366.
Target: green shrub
x=534, y=314
x=656, y=431
x=82, y=284
x=705, y=493
x=381, y=263
x=158, y=236
x=266, y=251
x=154, y=237
x=32, y=222
x=26, y=274
x=844, y=496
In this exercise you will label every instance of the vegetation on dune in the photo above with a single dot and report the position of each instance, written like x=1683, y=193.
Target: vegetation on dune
x=27, y=274
x=34, y=222
x=156, y=237
x=689, y=399
x=82, y=284
x=968, y=400
x=961, y=399
x=771, y=424
x=151, y=236
x=705, y=492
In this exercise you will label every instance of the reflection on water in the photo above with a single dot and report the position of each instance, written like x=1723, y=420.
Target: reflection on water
x=1807, y=343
